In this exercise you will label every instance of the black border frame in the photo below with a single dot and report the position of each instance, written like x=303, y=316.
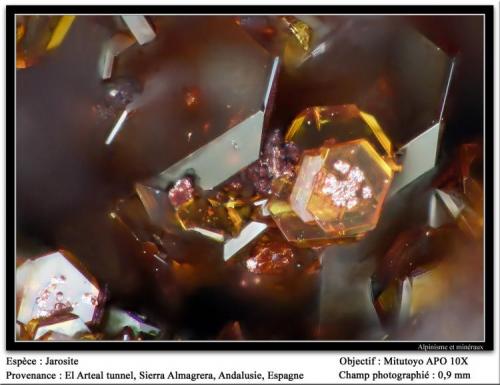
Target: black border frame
x=486, y=10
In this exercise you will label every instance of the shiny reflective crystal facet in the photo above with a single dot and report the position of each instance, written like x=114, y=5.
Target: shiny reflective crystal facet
x=293, y=38
x=221, y=158
x=232, y=76
x=55, y=283
x=68, y=325
x=158, y=206
x=387, y=62
x=111, y=49
x=212, y=221
x=384, y=62
x=339, y=192
x=223, y=222
x=315, y=125
x=303, y=187
x=247, y=234
x=117, y=319
x=300, y=30
x=185, y=114
x=350, y=188
x=140, y=28
x=303, y=234
x=270, y=258
x=417, y=157
x=296, y=42
x=468, y=219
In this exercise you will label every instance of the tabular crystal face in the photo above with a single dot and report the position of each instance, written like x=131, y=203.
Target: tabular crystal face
x=197, y=87
x=293, y=228
x=384, y=61
x=338, y=192
x=315, y=125
x=223, y=221
x=118, y=319
x=54, y=284
x=294, y=38
x=215, y=222
x=349, y=189
x=302, y=189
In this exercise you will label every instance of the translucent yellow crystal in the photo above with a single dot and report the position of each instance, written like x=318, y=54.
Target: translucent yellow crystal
x=297, y=41
x=294, y=229
x=314, y=125
x=300, y=30
x=302, y=189
x=350, y=188
x=215, y=222
x=337, y=195
x=60, y=31
x=36, y=35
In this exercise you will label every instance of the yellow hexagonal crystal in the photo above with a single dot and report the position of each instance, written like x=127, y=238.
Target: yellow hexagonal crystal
x=349, y=189
x=337, y=195
x=294, y=229
x=346, y=122
x=38, y=34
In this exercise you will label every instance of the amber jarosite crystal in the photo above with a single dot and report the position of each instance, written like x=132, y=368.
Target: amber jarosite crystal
x=37, y=35
x=339, y=192
x=350, y=188
x=293, y=228
x=316, y=124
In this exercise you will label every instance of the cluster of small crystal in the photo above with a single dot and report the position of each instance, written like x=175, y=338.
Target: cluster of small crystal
x=218, y=215
x=181, y=193
x=342, y=179
x=335, y=192
x=117, y=95
x=270, y=257
x=58, y=299
x=323, y=182
x=278, y=159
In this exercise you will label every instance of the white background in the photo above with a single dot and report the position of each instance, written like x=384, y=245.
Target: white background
x=318, y=367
